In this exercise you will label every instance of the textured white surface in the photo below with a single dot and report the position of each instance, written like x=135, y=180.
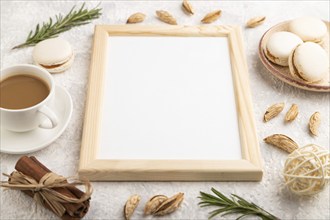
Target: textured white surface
x=170, y=102
x=17, y=18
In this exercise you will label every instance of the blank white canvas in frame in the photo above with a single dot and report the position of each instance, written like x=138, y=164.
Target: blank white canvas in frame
x=168, y=98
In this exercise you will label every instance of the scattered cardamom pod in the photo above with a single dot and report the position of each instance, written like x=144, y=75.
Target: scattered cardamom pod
x=292, y=113
x=314, y=123
x=256, y=21
x=211, y=17
x=273, y=111
x=153, y=204
x=130, y=206
x=282, y=141
x=170, y=205
x=187, y=7
x=166, y=17
x=136, y=18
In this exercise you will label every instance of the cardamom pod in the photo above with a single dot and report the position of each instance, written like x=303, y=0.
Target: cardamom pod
x=153, y=204
x=130, y=206
x=187, y=7
x=211, y=17
x=170, y=205
x=282, y=141
x=273, y=111
x=166, y=17
x=256, y=21
x=292, y=113
x=136, y=18
x=314, y=123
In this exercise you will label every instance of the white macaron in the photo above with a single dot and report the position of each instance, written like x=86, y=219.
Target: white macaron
x=309, y=29
x=279, y=47
x=309, y=61
x=55, y=55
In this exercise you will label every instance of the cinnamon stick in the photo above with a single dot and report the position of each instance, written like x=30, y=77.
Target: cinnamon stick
x=30, y=166
x=77, y=192
x=74, y=192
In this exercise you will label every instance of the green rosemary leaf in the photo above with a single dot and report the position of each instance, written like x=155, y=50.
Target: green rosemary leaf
x=224, y=198
x=29, y=35
x=36, y=31
x=70, y=12
x=212, y=202
x=224, y=211
x=206, y=195
x=241, y=199
x=244, y=215
x=51, y=29
x=212, y=215
x=204, y=205
x=235, y=211
x=233, y=205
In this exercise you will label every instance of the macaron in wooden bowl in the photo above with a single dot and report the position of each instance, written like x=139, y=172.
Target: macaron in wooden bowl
x=283, y=72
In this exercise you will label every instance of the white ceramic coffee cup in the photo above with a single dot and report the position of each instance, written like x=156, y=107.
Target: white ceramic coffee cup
x=39, y=115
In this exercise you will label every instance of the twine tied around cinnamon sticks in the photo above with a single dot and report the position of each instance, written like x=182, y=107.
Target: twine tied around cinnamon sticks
x=53, y=191
x=43, y=190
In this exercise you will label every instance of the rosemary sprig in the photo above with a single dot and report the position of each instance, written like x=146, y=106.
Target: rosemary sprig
x=233, y=205
x=50, y=30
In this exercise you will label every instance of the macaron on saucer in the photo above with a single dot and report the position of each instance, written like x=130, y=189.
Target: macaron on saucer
x=283, y=72
x=55, y=55
x=280, y=45
x=309, y=29
x=309, y=61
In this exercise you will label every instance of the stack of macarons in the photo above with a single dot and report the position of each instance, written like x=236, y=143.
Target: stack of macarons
x=300, y=49
x=55, y=55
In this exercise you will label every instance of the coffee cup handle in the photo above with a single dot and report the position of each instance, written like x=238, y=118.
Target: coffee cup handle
x=50, y=115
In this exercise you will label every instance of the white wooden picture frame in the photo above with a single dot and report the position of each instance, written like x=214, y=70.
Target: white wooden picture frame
x=169, y=103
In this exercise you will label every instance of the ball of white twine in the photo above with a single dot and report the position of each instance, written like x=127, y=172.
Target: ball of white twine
x=307, y=170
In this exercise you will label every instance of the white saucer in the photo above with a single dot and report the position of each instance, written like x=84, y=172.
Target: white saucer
x=27, y=142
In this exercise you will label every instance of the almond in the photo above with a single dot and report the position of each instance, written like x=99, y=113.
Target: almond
x=282, y=141
x=292, y=113
x=211, y=17
x=314, y=123
x=136, y=18
x=131, y=205
x=273, y=111
x=166, y=17
x=187, y=7
x=256, y=21
x=170, y=205
x=153, y=204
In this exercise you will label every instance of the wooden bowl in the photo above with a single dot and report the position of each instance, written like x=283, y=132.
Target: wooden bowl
x=283, y=73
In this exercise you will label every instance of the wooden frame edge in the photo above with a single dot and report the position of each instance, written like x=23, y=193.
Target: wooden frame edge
x=93, y=98
x=246, y=125
x=135, y=170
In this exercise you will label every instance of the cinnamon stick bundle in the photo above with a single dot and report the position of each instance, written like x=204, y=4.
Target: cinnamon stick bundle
x=30, y=166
